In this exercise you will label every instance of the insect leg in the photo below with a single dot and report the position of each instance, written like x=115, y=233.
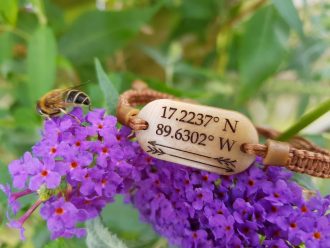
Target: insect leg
x=47, y=117
x=74, y=117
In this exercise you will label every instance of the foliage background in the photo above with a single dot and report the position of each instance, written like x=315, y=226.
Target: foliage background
x=267, y=59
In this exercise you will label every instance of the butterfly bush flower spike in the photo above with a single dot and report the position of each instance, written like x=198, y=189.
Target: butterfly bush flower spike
x=261, y=207
x=73, y=171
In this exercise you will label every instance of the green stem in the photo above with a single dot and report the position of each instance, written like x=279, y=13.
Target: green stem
x=18, y=32
x=40, y=11
x=305, y=121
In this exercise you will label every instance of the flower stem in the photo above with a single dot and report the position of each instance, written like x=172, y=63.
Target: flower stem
x=17, y=195
x=40, y=12
x=305, y=120
x=22, y=34
x=29, y=212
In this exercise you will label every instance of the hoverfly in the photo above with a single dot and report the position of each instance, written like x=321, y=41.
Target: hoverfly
x=56, y=101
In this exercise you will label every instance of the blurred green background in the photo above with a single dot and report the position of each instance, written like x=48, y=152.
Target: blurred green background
x=266, y=58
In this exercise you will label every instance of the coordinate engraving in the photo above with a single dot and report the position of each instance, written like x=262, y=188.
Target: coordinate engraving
x=197, y=136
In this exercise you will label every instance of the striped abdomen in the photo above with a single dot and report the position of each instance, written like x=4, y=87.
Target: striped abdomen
x=77, y=97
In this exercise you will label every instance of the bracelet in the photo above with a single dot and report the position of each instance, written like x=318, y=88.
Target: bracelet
x=298, y=154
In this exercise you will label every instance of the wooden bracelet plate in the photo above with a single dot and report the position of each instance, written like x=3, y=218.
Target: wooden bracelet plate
x=198, y=136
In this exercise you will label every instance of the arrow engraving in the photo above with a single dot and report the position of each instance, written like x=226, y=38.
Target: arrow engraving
x=223, y=161
x=226, y=161
x=154, y=150
x=154, y=143
x=218, y=167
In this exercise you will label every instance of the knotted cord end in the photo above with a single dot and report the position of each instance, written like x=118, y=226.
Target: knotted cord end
x=125, y=114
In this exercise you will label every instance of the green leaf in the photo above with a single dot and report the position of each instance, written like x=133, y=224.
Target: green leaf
x=98, y=236
x=124, y=221
x=194, y=15
x=8, y=11
x=59, y=243
x=4, y=179
x=41, y=62
x=304, y=180
x=324, y=186
x=262, y=49
x=289, y=13
x=6, y=47
x=109, y=90
x=302, y=57
x=62, y=242
x=100, y=34
x=55, y=16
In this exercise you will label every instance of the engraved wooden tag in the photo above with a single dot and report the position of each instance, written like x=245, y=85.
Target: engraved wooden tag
x=198, y=136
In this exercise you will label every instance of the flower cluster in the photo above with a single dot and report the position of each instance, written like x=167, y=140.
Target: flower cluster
x=78, y=167
x=257, y=208
x=75, y=170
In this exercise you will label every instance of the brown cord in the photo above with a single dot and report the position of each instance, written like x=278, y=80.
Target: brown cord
x=296, y=141
x=302, y=155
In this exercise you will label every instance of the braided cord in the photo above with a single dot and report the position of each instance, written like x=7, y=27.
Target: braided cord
x=304, y=156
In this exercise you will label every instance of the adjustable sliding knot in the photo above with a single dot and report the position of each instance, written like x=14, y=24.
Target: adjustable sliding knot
x=299, y=160
x=125, y=114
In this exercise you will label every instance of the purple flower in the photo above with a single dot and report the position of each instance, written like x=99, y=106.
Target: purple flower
x=199, y=197
x=19, y=169
x=295, y=226
x=100, y=124
x=47, y=148
x=320, y=234
x=251, y=180
x=108, y=151
x=278, y=193
x=223, y=227
x=215, y=211
x=243, y=210
x=74, y=162
x=45, y=174
x=53, y=130
x=276, y=214
x=195, y=238
x=248, y=232
x=88, y=208
x=12, y=200
x=84, y=176
x=106, y=183
x=18, y=224
x=277, y=243
x=62, y=217
x=317, y=204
